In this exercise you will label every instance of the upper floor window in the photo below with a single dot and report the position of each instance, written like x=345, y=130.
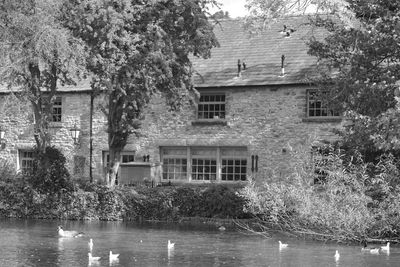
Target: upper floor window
x=318, y=105
x=211, y=106
x=57, y=109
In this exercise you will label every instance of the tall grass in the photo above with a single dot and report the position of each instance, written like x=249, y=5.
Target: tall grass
x=353, y=203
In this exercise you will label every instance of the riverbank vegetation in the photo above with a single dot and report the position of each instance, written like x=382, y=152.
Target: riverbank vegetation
x=351, y=202
x=354, y=201
x=54, y=195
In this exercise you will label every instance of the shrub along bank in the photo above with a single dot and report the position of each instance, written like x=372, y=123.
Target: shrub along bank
x=354, y=202
x=97, y=202
x=48, y=191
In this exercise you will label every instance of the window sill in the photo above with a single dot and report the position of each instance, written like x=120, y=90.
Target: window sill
x=210, y=122
x=322, y=119
x=202, y=182
x=55, y=124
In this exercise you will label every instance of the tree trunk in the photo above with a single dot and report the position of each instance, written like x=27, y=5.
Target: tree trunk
x=113, y=167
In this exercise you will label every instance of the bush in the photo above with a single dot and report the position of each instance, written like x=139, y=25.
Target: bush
x=50, y=174
x=7, y=170
x=188, y=201
x=221, y=201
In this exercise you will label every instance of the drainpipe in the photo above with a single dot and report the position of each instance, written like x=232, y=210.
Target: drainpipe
x=283, y=65
x=91, y=136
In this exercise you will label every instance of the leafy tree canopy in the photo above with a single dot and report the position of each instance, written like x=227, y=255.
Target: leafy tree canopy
x=137, y=49
x=37, y=55
x=364, y=72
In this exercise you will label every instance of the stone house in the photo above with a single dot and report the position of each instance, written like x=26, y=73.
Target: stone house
x=258, y=115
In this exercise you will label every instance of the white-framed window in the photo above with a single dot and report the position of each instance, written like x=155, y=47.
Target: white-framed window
x=318, y=105
x=211, y=106
x=26, y=160
x=174, y=163
x=204, y=164
x=56, y=112
x=234, y=164
x=125, y=157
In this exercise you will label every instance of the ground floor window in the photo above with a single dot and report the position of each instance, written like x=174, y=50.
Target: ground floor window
x=234, y=165
x=26, y=160
x=175, y=163
x=204, y=163
x=126, y=157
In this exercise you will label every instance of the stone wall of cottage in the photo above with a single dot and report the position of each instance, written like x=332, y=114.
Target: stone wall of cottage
x=17, y=120
x=270, y=121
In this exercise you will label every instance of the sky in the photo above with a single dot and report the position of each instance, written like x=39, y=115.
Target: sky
x=234, y=7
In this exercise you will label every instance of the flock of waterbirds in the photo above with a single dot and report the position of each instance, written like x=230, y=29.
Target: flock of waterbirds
x=365, y=248
x=113, y=258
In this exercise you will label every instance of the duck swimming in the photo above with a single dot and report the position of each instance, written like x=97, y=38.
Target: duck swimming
x=63, y=233
x=113, y=257
x=282, y=245
x=93, y=259
x=372, y=250
x=386, y=248
x=170, y=245
x=337, y=255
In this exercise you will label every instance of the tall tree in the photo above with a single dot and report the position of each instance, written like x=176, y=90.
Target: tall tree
x=362, y=54
x=365, y=60
x=264, y=12
x=137, y=49
x=38, y=54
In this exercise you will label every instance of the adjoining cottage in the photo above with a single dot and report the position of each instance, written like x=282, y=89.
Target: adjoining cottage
x=257, y=116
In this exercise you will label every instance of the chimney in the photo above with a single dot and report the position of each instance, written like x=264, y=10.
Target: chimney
x=239, y=68
x=283, y=65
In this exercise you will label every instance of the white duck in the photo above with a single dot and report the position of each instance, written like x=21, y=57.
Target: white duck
x=372, y=250
x=337, y=255
x=93, y=259
x=386, y=248
x=282, y=245
x=63, y=233
x=90, y=245
x=170, y=245
x=113, y=257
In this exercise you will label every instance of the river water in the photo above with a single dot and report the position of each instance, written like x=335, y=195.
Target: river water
x=36, y=243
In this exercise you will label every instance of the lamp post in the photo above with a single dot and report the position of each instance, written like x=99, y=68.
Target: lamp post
x=75, y=131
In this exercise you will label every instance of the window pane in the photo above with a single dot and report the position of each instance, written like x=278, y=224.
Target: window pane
x=318, y=105
x=209, y=104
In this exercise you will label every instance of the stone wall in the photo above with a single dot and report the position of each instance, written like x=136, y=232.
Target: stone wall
x=270, y=121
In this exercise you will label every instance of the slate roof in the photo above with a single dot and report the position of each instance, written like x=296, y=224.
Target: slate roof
x=262, y=54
